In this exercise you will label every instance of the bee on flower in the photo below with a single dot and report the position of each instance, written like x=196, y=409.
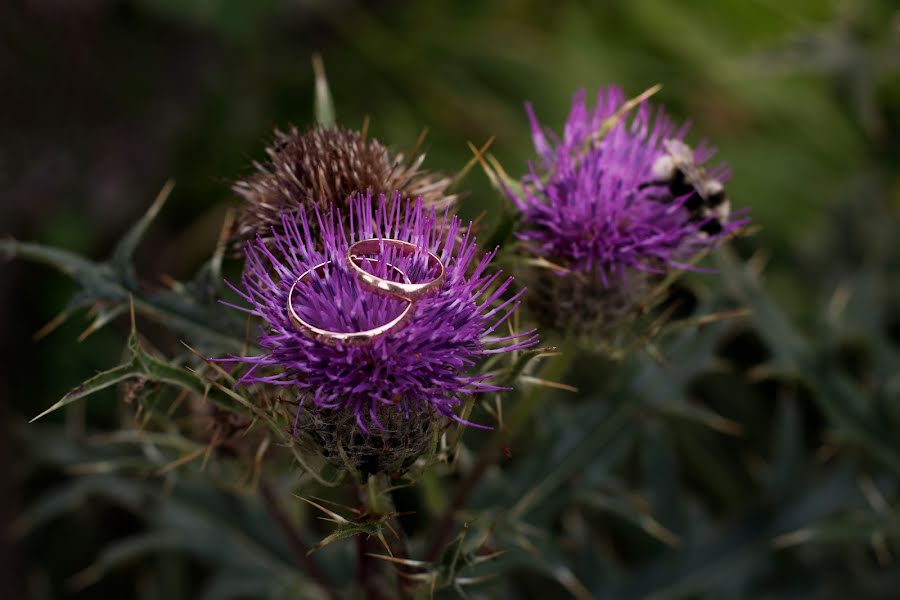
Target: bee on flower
x=608, y=208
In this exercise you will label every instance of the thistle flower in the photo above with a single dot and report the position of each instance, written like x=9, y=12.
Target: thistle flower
x=421, y=370
x=327, y=164
x=594, y=215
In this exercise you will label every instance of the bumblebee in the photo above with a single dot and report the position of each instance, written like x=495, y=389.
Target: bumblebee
x=677, y=171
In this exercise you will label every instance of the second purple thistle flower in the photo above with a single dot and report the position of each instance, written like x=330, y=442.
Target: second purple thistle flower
x=610, y=206
x=423, y=368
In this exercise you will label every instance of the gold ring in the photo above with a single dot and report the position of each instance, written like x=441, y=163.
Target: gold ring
x=407, y=291
x=334, y=337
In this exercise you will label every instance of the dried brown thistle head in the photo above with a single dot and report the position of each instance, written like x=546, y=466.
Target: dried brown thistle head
x=326, y=165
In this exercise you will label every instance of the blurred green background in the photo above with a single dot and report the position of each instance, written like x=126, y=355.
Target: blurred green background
x=103, y=101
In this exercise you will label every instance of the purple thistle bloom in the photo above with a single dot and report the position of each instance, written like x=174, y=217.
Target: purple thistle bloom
x=425, y=365
x=584, y=206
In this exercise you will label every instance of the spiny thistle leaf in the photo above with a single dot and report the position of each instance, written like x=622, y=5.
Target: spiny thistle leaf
x=104, y=315
x=348, y=530
x=98, y=382
x=681, y=409
x=839, y=398
x=189, y=311
x=79, y=301
x=75, y=266
x=324, y=105
x=450, y=557
x=144, y=365
x=123, y=254
x=860, y=527
x=594, y=437
x=630, y=510
x=523, y=360
x=221, y=529
x=791, y=350
x=70, y=496
x=330, y=514
x=122, y=552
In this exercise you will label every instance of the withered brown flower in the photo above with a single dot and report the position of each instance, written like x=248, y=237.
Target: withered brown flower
x=324, y=166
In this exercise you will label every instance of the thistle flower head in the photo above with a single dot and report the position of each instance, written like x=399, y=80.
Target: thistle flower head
x=609, y=207
x=586, y=203
x=425, y=367
x=311, y=169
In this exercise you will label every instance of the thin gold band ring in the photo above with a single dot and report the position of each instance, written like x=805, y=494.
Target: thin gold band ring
x=407, y=290
x=334, y=337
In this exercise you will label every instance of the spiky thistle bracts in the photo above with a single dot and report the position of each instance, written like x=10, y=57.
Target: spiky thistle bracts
x=425, y=366
x=392, y=449
x=592, y=314
x=323, y=165
x=590, y=204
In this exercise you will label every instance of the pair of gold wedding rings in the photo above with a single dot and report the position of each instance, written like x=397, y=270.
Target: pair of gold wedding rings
x=406, y=290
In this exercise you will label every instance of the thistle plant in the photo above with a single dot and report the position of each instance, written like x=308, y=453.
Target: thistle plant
x=448, y=447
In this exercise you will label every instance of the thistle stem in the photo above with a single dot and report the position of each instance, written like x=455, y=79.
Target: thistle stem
x=366, y=570
x=298, y=548
x=377, y=500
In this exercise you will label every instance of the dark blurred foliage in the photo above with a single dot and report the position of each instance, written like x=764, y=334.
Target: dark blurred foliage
x=785, y=422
